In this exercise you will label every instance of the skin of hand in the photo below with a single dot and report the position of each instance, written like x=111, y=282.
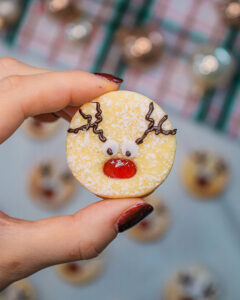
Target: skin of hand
x=29, y=246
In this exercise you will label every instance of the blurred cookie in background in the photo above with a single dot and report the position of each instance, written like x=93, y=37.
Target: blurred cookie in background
x=205, y=174
x=63, y=10
x=10, y=11
x=40, y=130
x=230, y=12
x=141, y=46
x=20, y=290
x=155, y=225
x=81, y=272
x=50, y=185
x=191, y=283
x=211, y=67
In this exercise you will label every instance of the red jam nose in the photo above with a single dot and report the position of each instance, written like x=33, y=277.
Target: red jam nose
x=48, y=193
x=37, y=123
x=119, y=168
x=144, y=224
x=72, y=267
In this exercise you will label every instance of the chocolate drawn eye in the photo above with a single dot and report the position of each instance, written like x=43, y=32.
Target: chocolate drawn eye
x=66, y=176
x=46, y=170
x=110, y=148
x=221, y=167
x=161, y=209
x=200, y=157
x=129, y=149
x=186, y=279
x=209, y=290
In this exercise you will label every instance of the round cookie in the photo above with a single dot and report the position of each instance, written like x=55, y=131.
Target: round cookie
x=191, y=283
x=51, y=186
x=141, y=46
x=155, y=225
x=40, y=130
x=121, y=145
x=205, y=174
x=80, y=272
x=20, y=290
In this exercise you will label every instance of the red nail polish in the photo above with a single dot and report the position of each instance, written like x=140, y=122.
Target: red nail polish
x=55, y=115
x=110, y=77
x=133, y=216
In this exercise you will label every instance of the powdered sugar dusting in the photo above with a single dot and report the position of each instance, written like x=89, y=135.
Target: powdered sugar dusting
x=123, y=115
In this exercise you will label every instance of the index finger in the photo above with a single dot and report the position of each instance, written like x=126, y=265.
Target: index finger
x=24, y=96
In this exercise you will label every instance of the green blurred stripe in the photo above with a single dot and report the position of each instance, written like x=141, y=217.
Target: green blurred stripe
x=114, y=23
x=207, y=99
x=174, y=27
x=144, y=12
x=204, y=106
x=12, y=34
x=229, y=100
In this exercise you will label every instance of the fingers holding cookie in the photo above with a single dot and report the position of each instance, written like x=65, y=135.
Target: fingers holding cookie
x=28, y=94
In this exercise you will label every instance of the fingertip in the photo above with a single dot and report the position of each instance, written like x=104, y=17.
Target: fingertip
x=110, y=77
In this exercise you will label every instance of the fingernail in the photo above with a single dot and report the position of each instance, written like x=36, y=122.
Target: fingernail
x=55, y=115
x=132, y=216
x=110, y=77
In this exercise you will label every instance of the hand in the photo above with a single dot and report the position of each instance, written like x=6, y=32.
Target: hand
x=28, y=246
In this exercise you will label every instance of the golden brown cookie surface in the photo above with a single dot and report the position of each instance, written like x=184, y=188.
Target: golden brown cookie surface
x=121, y=145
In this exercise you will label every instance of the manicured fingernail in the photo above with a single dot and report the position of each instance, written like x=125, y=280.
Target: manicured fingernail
x=55, y=115
x=110, y=77
x=132, y=216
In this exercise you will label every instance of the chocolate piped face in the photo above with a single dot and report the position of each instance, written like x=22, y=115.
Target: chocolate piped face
x=208, y=168
x=196, y=284
x=121, y=168
x=50, y=185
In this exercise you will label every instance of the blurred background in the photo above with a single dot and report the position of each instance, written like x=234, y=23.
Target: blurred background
x=185, y=55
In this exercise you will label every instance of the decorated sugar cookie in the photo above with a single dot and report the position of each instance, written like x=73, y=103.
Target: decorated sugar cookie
x=205, y=174
x=20, y=290
x=191, y=283
x=81, y=272
x=155, y=225
x=40, y=130
x=121, y=145
x=51, y=186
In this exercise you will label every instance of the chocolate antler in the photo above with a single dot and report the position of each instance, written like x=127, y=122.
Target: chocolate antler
x=158, y=129
x=89, y=125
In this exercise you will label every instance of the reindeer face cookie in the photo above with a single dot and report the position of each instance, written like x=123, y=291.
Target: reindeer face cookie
x=191, y=283
x=51, y=186
x=121, y=145
x=81, y=272
x=205, y=174
x=40, y=130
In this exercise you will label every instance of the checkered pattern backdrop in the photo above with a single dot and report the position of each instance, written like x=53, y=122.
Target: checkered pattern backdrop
x=185, y=25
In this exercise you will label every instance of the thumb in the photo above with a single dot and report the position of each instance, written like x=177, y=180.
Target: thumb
x=30, y=246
